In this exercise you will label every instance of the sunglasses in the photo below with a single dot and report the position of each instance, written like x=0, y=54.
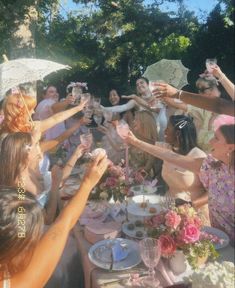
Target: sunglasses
x=203, y=89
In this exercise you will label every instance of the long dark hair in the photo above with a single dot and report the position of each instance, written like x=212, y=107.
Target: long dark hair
x=187, y=135
x=16, y=248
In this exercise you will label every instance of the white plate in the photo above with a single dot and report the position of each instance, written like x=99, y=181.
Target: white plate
x=135, y=209
x=220, y=234
x=152, y=199
x=132, y=233
x=140, y=189
x=130, y=261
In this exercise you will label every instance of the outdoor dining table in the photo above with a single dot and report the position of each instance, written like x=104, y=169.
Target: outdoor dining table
x=95, y=277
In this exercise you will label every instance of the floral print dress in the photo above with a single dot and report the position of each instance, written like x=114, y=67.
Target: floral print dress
x=218, y=179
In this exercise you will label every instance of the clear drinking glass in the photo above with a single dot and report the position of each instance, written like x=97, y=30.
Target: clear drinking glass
x=122, y=129
x=98, y=116
x=86, y=140
x=86, y=96
x=210, y=64
x=96, y=102
x=150, y=251
x=107, y=116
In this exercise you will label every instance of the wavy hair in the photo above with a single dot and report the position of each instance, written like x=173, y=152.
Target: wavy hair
x=13, y=157
x=16, y=251
x=148, y=129
x=16, y=118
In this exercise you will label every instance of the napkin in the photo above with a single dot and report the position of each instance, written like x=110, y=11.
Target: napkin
x=119, y=252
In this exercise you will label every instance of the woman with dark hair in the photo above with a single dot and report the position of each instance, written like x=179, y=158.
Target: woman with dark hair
x=27, y=259
x=181, y=137
x=216, y=173
x=145, y=101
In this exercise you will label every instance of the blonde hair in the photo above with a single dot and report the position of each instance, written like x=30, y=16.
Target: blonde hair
x=148, y=129
x=16, y=118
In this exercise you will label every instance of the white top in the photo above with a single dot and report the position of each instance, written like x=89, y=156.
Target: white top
x=44, y=111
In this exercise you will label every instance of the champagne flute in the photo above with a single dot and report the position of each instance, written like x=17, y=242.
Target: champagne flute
x=150, y=251
x=122, y=129
x=155, y=103
x=86, y=140
x=107, y=116
x=210, y=64
x=76, y=92
x=98, y=116
x=86, y=96
x=96, y=102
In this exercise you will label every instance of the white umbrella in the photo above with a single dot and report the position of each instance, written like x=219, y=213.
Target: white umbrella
x=172, y=72
x=23, y=70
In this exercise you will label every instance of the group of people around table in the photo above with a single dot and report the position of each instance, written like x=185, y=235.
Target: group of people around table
x=184, y=143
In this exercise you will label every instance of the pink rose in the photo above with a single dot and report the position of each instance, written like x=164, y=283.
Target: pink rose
x=172, y=219
x=190, y=233
x=168, y=245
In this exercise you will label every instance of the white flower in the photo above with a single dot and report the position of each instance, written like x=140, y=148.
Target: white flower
x=214, y=275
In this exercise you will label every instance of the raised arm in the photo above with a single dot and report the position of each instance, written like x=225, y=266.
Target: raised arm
x=225, y=82
x=60, y=117
x=50, y=247
x=62, y=105
x=47, y=145
x=165, y=154
x=216, y=105
x=72, y=161
x=120, y=108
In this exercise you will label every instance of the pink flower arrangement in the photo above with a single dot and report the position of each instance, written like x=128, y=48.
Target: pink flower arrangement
x=180, y=228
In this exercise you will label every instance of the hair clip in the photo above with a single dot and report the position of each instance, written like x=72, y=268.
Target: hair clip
x=15, y=90
x=28, y=147
x=181, y=124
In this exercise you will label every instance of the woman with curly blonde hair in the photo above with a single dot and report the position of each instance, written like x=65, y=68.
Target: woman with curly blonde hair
x=18, y=109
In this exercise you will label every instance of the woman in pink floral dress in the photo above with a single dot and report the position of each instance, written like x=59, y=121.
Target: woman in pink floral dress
x=216, y=172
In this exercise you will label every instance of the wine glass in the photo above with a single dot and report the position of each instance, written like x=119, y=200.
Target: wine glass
x=98, y=116
x=155, y=103
x=150, y=251
x=86, y=96
x=107, y=116
x=86, y=140
x=210, y=64
x=88, y=111
x=122, y=129
x=96, y=102
x=76, y=92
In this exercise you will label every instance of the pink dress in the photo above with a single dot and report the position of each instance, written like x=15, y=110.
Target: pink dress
x=219, y=181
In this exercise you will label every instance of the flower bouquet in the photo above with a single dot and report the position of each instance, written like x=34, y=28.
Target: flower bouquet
x=180, y=229
x=111, y=185
x=115, y=183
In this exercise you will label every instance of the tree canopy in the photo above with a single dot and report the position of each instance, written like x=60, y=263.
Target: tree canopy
x=110, y=43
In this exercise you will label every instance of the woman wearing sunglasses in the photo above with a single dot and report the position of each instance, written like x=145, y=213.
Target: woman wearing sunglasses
x=206, y=85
